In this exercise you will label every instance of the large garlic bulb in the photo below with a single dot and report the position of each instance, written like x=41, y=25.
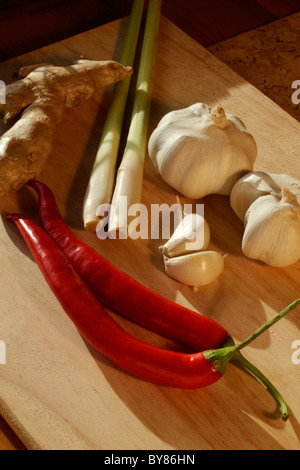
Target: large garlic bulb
x=199, y=150
x=269, y=206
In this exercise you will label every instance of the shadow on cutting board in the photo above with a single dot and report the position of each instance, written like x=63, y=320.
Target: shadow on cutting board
x=225, y=415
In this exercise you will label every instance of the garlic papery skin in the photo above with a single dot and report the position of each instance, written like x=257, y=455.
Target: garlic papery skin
x=272, y=229
x=191, y=234
x=199, y=150
x=255, y=184
x=195, y=269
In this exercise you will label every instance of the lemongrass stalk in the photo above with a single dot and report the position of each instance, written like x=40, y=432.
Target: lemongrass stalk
x=102, y=179
x=130, y=173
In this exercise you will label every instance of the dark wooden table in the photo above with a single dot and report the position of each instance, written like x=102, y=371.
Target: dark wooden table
x=29, y=25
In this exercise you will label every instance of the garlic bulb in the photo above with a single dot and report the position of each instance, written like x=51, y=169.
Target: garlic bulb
x=199, y=150
x=191, y=234
x=269, y=206
x=195, y=269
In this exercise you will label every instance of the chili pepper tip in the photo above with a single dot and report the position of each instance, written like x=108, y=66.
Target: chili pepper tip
x=13, y=217
x=31, y=182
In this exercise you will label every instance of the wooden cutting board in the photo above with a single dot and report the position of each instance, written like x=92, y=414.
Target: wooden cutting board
x=56, y=391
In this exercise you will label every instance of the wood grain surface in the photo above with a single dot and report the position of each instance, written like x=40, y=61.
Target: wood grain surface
x=56, y=392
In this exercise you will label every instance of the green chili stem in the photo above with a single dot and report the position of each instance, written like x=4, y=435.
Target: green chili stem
x=242, y=362
x=230, y=352
x=267, y=325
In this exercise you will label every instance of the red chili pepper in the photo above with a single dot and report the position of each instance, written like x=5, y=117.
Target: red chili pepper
x=133, y=355
x=101, y=330
x=123, y=294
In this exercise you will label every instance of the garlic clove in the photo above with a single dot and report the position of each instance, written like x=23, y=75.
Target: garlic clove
x=195, y=269
x=272, y=229
x=191, y=234
x=247, y=190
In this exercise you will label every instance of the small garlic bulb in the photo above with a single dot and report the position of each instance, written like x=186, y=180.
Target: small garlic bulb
x=199, y=150
x=191, y=234
x=195, y=269
x=259, y=183
x=272, y=230
x=269, y=206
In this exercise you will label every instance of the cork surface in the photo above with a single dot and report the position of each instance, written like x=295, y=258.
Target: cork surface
x=269, y=58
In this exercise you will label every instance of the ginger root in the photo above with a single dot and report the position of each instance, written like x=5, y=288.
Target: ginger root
x=40, y=95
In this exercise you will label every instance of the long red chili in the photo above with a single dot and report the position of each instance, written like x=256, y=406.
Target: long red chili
x=148, y=362
x=120, y=292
